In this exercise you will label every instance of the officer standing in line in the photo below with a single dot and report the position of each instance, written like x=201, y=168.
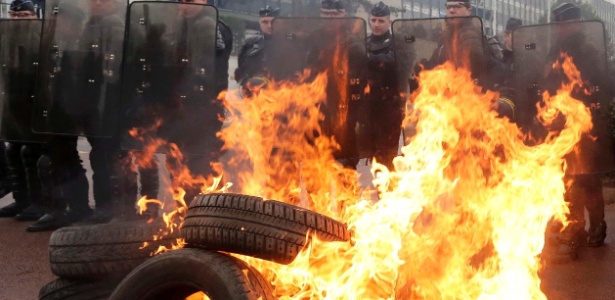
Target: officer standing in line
x=201, y=135
x=386, y=105
x=593, y=155
x=60, y=168
x=507, y=52
x=22, y=156
x=464, y=45
x=352, y=133
x=506, y=105
x=106, y=26
x=251, y=60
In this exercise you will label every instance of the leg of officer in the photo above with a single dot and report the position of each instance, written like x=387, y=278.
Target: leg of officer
x=594, y=202
x=63, y=181
x=123, y=180
x=561, y=245
x=4, y=185
x=30, y=154
x=16, y=179
x=100, y=155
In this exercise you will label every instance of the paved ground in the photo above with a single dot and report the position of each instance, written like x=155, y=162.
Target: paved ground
x=24, y=262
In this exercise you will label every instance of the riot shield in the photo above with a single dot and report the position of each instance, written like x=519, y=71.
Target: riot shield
x=536, y=48
x=335, y=46
x=78, y=88
x=426, y=43
x=169, y=89
x=19, y=58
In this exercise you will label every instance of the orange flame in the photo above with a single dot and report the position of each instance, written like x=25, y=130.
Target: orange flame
x=180, y=176
x=461, y=216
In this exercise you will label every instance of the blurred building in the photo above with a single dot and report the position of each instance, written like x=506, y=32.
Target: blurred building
x=494, y=13
x=605, y=10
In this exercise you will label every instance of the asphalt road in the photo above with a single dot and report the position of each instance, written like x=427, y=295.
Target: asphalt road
x=24, y=261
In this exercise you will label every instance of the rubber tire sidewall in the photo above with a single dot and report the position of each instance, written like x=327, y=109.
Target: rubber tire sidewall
x=220, y=276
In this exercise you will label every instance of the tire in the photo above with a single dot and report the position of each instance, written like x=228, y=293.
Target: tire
x=70, y=289
x=99, y=251
x=180, y=273
x=249, y=225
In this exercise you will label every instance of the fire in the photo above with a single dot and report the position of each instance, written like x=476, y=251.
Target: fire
x=198, y=296
x=180, y=174
x=462, y=215
x=276, y=148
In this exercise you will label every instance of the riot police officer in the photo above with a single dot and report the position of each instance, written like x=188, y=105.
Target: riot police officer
x=507, y=52
x=464, y=45
x=251, y=60
x=346, y=114
x=22, y=9
x=22, y=156
x=61, y=168
x=190, y=142
x=386, y=106
x=593, y=155
x=506, y=105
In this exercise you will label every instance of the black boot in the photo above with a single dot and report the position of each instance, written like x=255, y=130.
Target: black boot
x=17, y=180
x=597, y=235
x=49, y=221
x=53, y=207
x=5, y=187
x=75, y=192
x=31, y=213
x=30, y=153
x=11, y=210
x=561, y=245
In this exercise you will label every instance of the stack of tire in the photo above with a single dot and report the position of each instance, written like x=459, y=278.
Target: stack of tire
x=90, y=260
x=215, y=224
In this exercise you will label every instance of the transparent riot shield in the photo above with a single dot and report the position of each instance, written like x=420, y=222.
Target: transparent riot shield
x=19, y=59
x=335, y=46
x=536, y=48
x=78, y=89
x=426, y=43
x=169, y=92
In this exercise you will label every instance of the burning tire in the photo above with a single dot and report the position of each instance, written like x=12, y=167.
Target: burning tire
x=249, y=225
x=69, y=289
x=97, y=251
x=181, y=273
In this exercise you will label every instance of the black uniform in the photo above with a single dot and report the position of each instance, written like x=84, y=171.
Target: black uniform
x=60, y=168
x=105, y=151
x=593, y=154
x=251, y=60
x=386, y=107
x=18, y=160
x=204, y=106
x=352, y=133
